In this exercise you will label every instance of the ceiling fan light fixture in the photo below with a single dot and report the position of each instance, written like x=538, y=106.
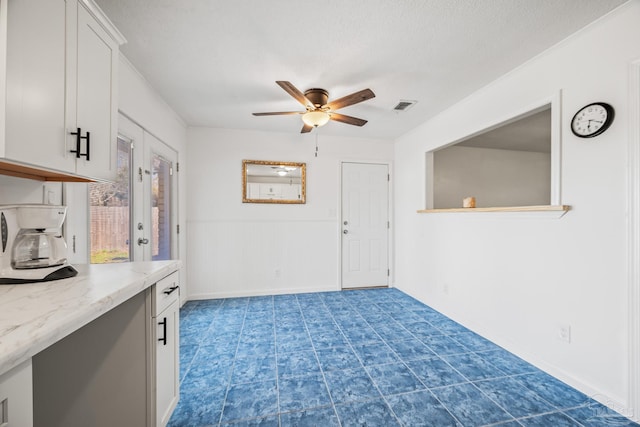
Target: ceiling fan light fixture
x=315, y=118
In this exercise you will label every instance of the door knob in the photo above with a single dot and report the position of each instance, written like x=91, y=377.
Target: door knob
x=142, y=241
x=345, y=232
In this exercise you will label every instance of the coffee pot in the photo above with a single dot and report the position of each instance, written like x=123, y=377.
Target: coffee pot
x=33, y=249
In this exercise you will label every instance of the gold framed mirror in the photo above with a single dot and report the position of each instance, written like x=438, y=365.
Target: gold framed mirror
x=266, y=181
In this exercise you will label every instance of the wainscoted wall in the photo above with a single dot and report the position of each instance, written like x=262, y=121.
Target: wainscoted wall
x=240, y=248
x=520, y=282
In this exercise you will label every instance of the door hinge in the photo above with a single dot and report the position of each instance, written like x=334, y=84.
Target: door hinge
x=388, y=272
x=388, y=177
x=177, y=167
x=178, y=229
x=388, y=225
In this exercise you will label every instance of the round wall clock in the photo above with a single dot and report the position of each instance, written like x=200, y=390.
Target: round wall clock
x=591, y=120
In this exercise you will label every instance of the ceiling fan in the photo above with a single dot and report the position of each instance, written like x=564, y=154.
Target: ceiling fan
x=319, y=111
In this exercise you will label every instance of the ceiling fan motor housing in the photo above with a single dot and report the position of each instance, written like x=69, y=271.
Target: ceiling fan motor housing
x=318, y=97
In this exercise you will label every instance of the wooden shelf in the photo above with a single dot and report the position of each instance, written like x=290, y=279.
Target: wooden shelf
x=560, y=209
x=10, y=168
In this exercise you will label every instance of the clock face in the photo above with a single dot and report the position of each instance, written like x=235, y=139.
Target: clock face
x=592, y=120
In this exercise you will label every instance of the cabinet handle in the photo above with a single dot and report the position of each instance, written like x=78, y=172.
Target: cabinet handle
x=88, y=138
x=164, y=331
x=79, y=138
x=170, y=290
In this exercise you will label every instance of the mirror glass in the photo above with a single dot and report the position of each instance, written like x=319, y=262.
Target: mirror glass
x=273, y=182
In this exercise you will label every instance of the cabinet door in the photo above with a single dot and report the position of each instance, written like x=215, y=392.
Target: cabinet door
x=35, y=84
x=16, y=401
x=95, y=106
x=167, y=359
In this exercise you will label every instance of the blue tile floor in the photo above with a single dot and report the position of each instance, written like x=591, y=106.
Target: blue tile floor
x=359, y=358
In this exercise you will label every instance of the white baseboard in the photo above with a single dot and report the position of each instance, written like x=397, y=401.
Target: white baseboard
x=255, y=293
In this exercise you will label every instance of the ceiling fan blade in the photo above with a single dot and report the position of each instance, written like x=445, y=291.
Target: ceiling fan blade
x=306, y=128
x=279, y=113
x=354, y=98
x=347, y=119
x=293, y=91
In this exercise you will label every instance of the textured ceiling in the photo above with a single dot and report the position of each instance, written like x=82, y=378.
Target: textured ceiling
x=215, y=62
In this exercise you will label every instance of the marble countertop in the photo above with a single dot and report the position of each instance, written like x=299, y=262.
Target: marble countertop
x=35, y=316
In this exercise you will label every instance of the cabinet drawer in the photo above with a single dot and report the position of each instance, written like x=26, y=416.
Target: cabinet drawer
x=167, y=290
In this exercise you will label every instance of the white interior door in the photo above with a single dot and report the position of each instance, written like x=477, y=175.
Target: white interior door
x=365, y=225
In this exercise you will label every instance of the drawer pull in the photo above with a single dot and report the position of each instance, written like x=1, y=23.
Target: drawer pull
x=164, y=331
x=170, y=290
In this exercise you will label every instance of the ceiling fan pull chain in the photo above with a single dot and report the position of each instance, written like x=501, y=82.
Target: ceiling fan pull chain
x=316, y=143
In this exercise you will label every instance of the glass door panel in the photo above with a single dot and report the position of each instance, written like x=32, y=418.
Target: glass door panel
x=157, y=232
x=110, y=212
x=161, y=173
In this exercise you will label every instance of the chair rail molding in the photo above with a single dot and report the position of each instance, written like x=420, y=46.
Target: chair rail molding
x=633, y=240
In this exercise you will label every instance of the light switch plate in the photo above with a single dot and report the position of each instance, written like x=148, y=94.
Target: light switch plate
x=52, y=193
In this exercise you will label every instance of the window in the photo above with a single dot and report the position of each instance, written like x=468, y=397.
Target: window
x=110, y=212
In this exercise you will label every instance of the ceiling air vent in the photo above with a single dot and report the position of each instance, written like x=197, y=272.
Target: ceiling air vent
x=404, y=105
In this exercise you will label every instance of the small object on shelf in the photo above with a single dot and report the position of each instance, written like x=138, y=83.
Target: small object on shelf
x=469, y=202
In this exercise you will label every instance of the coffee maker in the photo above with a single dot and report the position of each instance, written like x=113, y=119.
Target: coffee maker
x=32, y=246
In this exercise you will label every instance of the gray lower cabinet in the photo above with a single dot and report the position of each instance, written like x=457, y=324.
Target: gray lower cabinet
x=119, y=370
x=167, y=319
x=98, y=375
x=16, y=403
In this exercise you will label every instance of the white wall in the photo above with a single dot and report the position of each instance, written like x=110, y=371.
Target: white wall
x=139, y=101
x=20, y=190
x=240, y=248
x=517, y=281
x=494, y=177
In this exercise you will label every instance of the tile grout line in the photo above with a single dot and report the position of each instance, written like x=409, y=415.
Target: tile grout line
x=233, y=365
x=363, y=365
x=324, y=378
x=413, y=373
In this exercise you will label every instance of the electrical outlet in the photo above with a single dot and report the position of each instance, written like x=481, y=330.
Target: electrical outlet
x=564, y=333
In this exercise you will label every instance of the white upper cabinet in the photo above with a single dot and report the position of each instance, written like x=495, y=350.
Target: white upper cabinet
x=61, y=75
x=92, y=75
x=35, y=88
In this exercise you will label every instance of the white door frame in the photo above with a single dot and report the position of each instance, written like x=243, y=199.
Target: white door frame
x=133, y=132
x=390, y=246
x=633, y=241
